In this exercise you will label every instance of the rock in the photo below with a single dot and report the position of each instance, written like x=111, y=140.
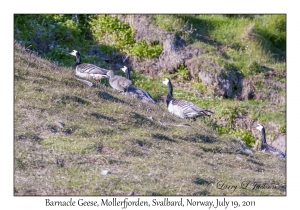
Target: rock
x=183, y=125
x=150, y=118
x=219, y=80
x=59, y=124
x=162, y=122
x=248, y=90
x=238, y=158
x=105, y=172
x=60, y=163
x=131, y=194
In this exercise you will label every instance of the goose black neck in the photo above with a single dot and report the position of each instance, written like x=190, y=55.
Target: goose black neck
x=127, y=74
x=78, y=59
x=170, y=93
x=263, y=136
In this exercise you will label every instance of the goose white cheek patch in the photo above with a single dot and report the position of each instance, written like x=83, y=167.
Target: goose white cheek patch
x=166, y=81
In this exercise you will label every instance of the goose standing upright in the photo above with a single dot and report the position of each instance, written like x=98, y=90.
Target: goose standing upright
x=86, y=70
x=117, y=82
x=182, y=108
x=141, y=94
x=265, y=146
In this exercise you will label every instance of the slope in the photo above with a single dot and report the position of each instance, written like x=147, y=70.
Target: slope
x=67, y=134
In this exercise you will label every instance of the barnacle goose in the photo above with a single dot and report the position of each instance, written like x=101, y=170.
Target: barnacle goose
x=117, y=82
x=182, y=108
x=86, y=70
x=266, y=147
x=141, y=94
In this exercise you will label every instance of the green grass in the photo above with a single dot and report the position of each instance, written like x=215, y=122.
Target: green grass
x=110, y=31
x=246, y=41
x=228, y=109
x=92, y=129
x=249, y=45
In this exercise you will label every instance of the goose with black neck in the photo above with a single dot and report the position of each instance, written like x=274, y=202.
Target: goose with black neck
x=139, y=93
x=182, y=108
x=87, y=70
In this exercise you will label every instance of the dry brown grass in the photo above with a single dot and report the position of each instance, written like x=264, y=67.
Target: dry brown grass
x=66, y=134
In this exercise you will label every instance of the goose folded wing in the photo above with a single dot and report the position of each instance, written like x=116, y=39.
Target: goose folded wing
x=274, y=151
x=189, y=109
x=140, y=94
x=92, y=69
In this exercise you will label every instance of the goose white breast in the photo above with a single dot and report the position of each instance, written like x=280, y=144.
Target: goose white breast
x=87, y=70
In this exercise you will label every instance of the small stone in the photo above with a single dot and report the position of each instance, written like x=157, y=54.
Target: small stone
x=105, y=172
x=60, y=163
x=59, y=124
x=238, y=158
x=131, y=194
x=162, y=122
x=150, y=118
x=183, y=125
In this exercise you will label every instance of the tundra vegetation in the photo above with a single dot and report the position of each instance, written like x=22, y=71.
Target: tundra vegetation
x=71, y=139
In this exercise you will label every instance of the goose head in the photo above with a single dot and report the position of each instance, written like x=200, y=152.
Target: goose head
x=124, y=69
x=166, y=81
x=259, y=127
x=74, y=52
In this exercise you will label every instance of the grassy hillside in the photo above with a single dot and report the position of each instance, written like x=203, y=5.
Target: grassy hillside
x=250, y=46
x=67, y=134
x=244, y=39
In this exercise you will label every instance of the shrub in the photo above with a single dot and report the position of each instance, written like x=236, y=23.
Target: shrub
x=183, y=72
x=244, y=135
x=254, y=67
x=282, y=129
x=111, y=31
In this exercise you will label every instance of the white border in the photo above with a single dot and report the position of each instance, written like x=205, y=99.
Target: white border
x=8, y=8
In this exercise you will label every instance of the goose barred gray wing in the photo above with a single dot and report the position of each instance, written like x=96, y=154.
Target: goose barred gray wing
x=272, y=150
x=182, y=108
x=86, y=70
x=90, y=68
x=186, y=109
x=141, y=94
